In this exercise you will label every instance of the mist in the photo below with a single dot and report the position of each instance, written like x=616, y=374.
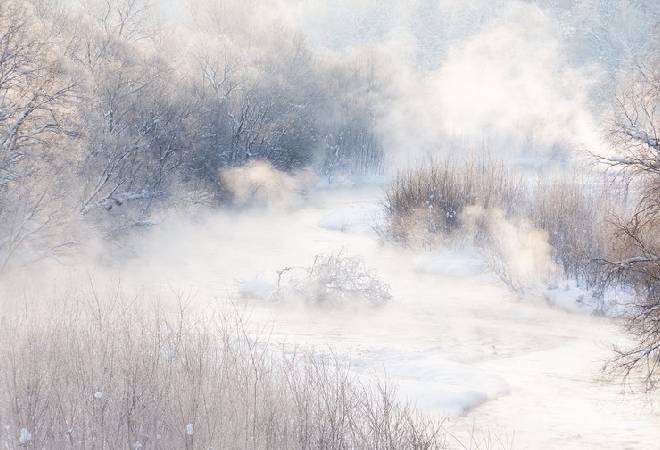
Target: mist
x=329, y=224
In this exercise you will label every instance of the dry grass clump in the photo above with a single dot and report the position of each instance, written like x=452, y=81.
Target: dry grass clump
x=427, y=201
x=577, y=215
x=333, y=280
x=106, y=373
x=514, y=249
x=574, y=216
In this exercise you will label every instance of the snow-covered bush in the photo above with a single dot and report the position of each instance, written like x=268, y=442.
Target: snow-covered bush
x=105, y=372
x=333, y=279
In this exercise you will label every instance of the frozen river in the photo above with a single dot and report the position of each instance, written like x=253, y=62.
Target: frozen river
x=455, y=340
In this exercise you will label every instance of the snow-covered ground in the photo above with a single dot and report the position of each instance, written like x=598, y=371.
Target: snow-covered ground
x=455, y=340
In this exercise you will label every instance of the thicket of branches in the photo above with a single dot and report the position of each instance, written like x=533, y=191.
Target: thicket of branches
x=333, y=280
x=578, y=216
x=97, y=371
x=104, y=113
x=636, y=135
x=428, y=200
x=430, y=204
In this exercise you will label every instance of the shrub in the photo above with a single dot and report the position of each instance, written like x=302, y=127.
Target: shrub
x=333, y=280
x=577, y=215
x=424, y=202
x=515, y=250
x=572, y=217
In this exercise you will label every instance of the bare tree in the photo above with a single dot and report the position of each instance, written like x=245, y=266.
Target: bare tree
x=35, y=97
x=133, y=133
x=636, y=135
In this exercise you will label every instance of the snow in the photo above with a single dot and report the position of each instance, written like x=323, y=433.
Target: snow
x=118, y=199
x=24, y=436
x=256, y=288
x=355, y=219
x=444, y=386
x=450, y=263
x=569, y=296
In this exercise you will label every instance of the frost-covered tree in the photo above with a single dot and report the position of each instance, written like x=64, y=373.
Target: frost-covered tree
x=636, y=135
x=35, y=96
x=132, y=127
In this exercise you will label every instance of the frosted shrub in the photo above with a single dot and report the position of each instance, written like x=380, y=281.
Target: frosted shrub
x=333, y=280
